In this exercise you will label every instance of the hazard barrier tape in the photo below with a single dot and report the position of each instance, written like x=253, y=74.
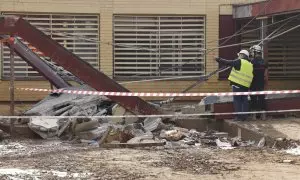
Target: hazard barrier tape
x=155, y=94
x=177, y=115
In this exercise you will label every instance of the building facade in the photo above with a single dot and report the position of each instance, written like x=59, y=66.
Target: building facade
x=130, y=40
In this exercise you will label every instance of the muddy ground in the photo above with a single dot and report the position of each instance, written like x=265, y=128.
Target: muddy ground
x=57, y=160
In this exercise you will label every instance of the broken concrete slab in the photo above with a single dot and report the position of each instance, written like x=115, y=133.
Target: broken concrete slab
x=86, y=126
x=129, y=120
x=61, y=110
x=118, y=110
x=62, y=104
x=46, y=127
x=278, y=133
x=293, y=150
x=93, y=134
x=151, y=124
x=262, y=142
x=224, y=145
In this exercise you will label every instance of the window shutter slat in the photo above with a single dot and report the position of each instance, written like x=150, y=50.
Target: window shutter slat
x=67, y=29
x=173, y=40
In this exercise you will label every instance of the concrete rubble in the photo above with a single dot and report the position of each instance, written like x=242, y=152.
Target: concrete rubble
x=293, y=151
x=62, y=104
x=152, y=131
x=45, y=127
x=224, y=145
x=49, y=119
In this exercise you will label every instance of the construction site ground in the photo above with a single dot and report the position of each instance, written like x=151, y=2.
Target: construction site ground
x=57, y=160
x=53, y=159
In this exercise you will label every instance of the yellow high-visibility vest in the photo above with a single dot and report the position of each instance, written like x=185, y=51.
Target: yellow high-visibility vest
x=244, y=76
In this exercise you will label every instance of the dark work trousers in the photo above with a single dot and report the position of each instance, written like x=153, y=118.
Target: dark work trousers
x=258, y=102
x=240, y=103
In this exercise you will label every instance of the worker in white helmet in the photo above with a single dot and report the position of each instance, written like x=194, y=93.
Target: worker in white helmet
x=240, y=79
x=260, y=79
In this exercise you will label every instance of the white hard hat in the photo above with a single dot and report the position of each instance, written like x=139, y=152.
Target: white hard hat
x=244, y=52
x=256, y=48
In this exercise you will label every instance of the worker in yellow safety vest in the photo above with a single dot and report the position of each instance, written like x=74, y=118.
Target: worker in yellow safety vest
x=240, y=78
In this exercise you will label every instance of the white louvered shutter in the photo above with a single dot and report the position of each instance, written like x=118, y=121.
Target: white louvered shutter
x=154, y=46
x=283, y=52
x=67, y=29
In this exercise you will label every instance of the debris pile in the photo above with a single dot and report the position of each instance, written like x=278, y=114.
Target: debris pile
x=62, y=104
x=76, y=118
x=293, y=151
x=149, y=132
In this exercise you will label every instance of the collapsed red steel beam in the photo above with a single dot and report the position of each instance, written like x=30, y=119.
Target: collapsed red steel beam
x=36, y=62
x=12, y=25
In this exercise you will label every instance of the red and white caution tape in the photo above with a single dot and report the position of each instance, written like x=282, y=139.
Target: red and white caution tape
x=155, y=94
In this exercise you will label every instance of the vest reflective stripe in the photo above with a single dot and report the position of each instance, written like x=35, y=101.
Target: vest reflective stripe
x=244, y=76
